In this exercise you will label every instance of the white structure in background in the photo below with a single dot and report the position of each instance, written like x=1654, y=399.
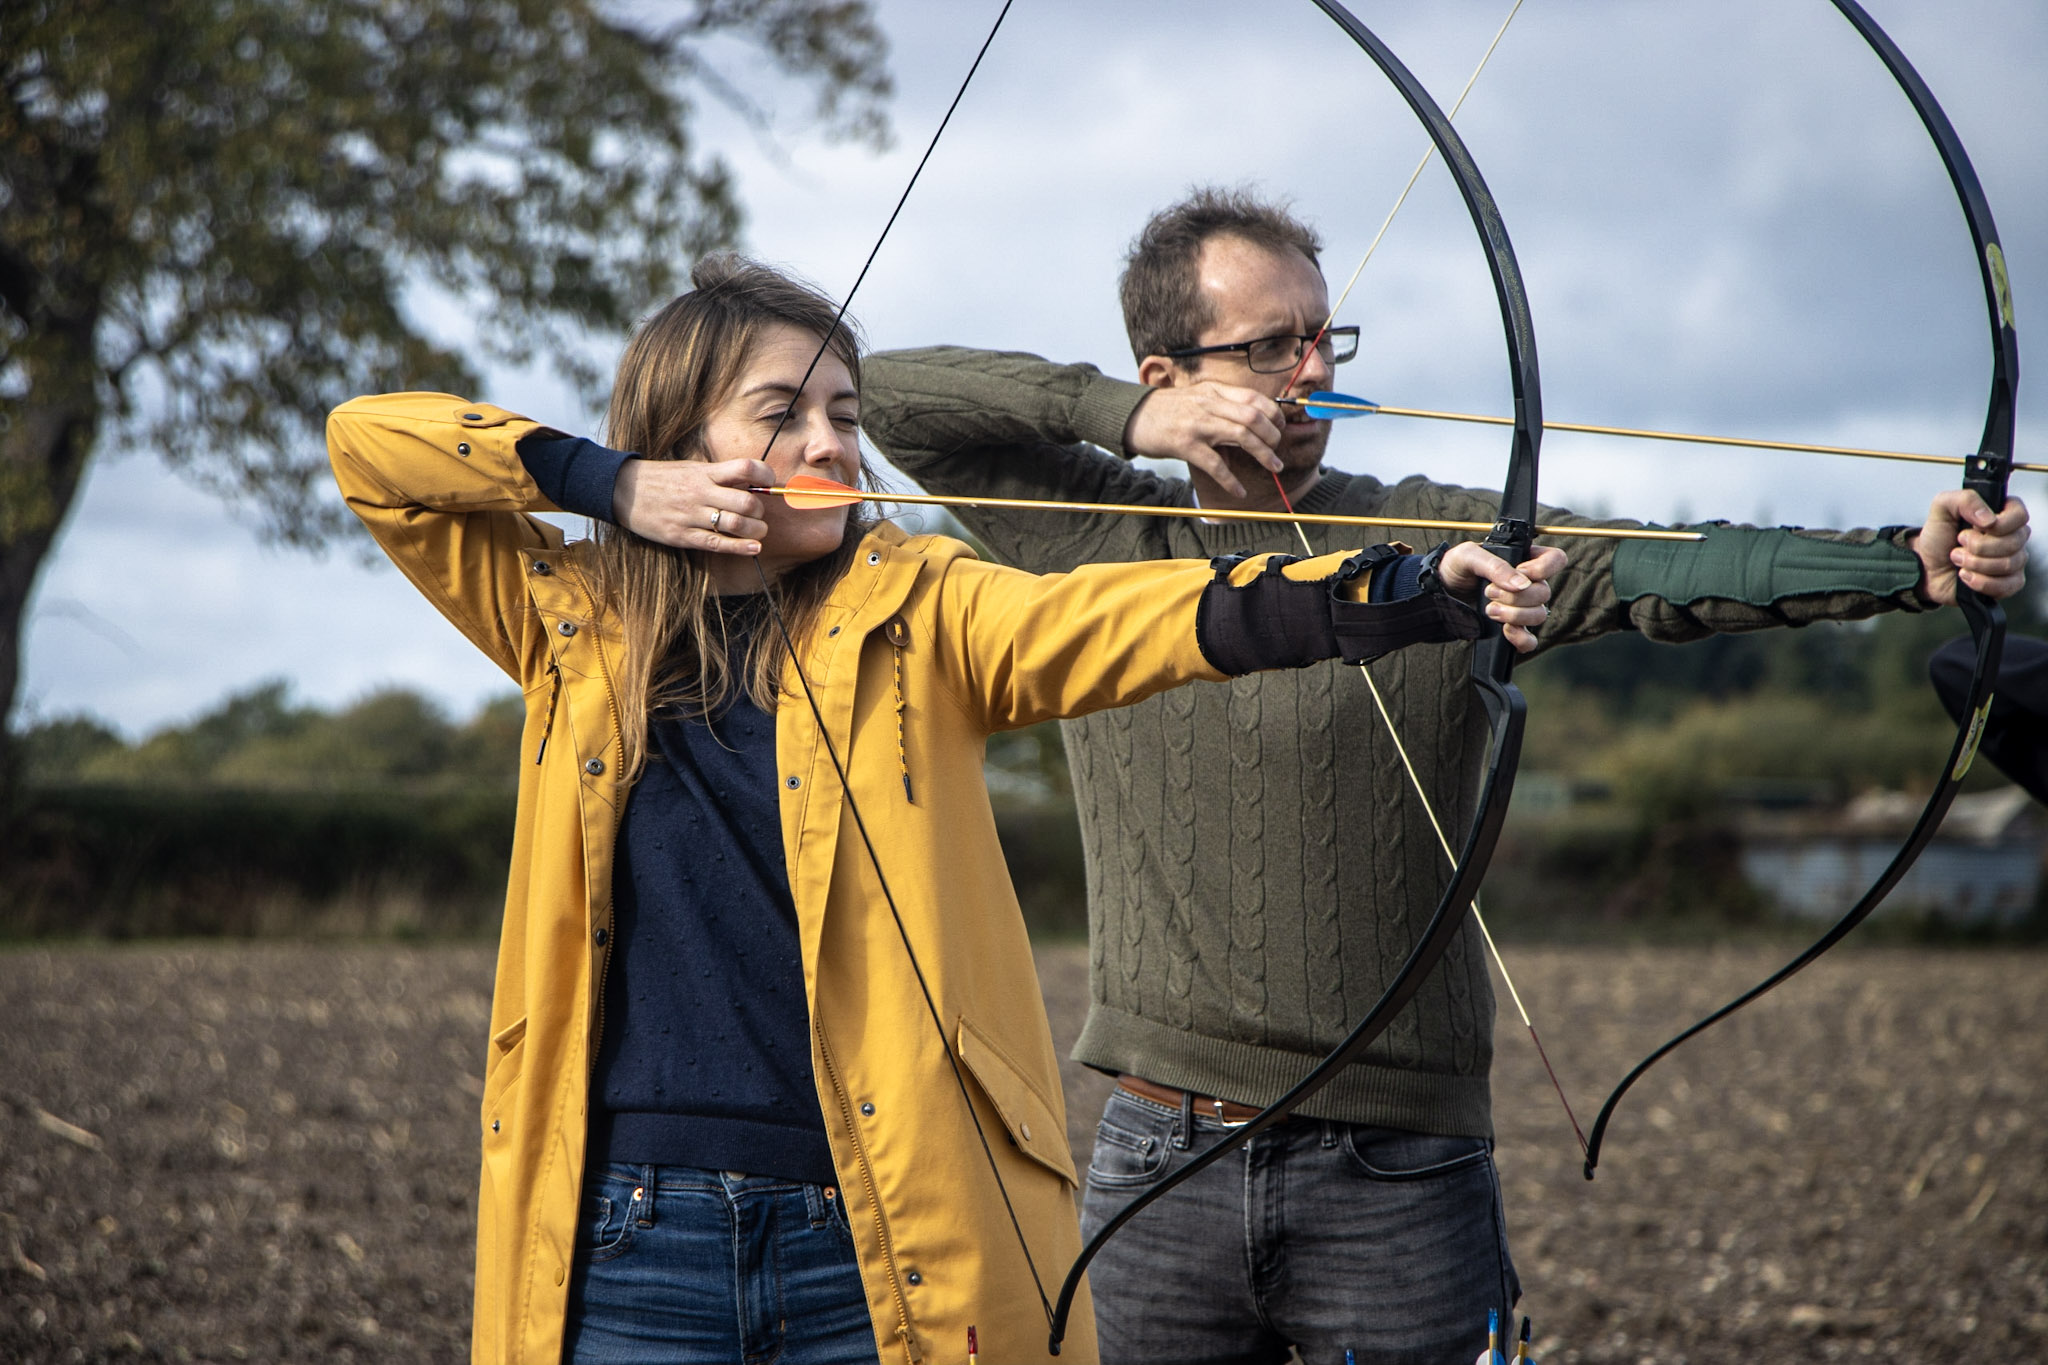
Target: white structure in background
x=1982, y=868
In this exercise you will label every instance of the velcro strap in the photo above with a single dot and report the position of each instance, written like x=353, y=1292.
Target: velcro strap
x=1273, y=621
x=1366, y=630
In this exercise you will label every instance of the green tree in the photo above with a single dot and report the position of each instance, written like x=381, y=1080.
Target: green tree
x=58, y=749
x=219, y=218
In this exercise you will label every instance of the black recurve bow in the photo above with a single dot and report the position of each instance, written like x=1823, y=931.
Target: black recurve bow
x=1985, y=474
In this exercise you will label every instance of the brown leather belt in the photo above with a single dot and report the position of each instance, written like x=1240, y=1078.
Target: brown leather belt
x=1226, y=1111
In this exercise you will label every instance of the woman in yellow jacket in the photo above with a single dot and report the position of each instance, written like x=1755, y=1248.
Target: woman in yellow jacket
x=750, y=1086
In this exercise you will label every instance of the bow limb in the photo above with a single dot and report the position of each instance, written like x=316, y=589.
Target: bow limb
x=1985, y=474
x=1492, y=664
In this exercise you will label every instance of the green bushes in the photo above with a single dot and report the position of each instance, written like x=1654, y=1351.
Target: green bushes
x=259, y=739
x=263, y=817
x=151, y=861
x=135, y=861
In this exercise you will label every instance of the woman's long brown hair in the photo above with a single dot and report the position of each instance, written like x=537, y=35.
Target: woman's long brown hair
x=681, y=364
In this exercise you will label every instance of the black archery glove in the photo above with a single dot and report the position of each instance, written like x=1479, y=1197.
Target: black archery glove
x=1290, y=612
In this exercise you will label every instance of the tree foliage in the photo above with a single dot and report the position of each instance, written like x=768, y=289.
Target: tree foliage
x=261, y=738
x=1841, y=708
x=220, y=218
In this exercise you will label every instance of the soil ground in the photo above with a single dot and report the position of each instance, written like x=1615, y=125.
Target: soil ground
x=235, y=1152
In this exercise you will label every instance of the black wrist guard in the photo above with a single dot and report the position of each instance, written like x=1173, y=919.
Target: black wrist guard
x=1279, y=622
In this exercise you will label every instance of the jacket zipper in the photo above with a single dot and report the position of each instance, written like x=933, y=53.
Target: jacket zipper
x=867, y=1180
x=604, y=971
x=554, y=696
x=604, y=951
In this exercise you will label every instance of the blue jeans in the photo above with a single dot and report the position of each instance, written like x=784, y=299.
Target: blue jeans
x=1323, y=1236
x=674, y=1264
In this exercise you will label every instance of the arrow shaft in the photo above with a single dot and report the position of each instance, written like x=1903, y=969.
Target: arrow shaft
x=1221, y=514
x=1646, y=434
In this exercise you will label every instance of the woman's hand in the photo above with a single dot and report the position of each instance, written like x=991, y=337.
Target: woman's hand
x=693, y=505
x=1964, y=539
x=1515, y=593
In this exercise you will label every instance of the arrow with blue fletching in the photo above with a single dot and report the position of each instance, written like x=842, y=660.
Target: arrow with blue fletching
x=1335, y=407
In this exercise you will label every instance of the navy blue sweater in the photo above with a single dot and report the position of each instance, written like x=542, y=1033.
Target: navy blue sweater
x=706, y=1054
x=705, y=1058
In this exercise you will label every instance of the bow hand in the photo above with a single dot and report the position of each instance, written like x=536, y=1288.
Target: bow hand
x=1963, y=540
x=1515, y=594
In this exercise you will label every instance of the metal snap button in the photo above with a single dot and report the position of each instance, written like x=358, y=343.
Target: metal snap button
x=594, y=767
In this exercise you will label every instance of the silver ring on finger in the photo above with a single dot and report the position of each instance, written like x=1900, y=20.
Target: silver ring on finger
x=716, y=513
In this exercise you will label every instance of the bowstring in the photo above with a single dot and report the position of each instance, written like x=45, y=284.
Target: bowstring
x=1379, y=702
x=1388, y=222
x=824, y=733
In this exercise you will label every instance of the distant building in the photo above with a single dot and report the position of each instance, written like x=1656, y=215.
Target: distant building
x=1982, y=868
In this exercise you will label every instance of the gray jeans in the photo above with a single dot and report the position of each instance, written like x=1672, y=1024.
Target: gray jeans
x=1325, y=1237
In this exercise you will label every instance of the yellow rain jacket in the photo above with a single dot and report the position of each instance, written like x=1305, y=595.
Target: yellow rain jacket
x=981, y=649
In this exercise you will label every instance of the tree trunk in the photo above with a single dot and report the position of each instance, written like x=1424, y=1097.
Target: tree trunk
x=44, y=443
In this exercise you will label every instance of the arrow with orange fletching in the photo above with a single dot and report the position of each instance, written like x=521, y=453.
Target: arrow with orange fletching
x=809, y=492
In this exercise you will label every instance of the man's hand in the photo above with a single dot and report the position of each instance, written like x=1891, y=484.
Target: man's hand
x=1963, y=539
x=1515, y=593
x=693, y=505
x=1192, y=422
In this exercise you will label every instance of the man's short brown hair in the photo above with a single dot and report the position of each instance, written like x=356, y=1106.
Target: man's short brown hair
x=1163, y=305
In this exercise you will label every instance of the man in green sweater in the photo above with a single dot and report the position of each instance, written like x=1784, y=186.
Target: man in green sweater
x=1257, y=866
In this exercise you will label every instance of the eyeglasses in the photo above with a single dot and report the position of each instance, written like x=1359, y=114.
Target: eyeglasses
x=1276, y=355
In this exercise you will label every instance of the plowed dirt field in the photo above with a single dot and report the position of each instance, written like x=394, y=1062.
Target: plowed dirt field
x=235, y=1152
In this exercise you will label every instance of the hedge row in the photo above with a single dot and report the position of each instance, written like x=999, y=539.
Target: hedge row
x=130, y=861
x=133, y=862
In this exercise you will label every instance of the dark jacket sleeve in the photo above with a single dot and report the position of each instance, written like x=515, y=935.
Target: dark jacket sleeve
x=576, y=474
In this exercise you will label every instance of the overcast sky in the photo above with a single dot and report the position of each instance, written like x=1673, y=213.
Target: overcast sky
x=1728, y=217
